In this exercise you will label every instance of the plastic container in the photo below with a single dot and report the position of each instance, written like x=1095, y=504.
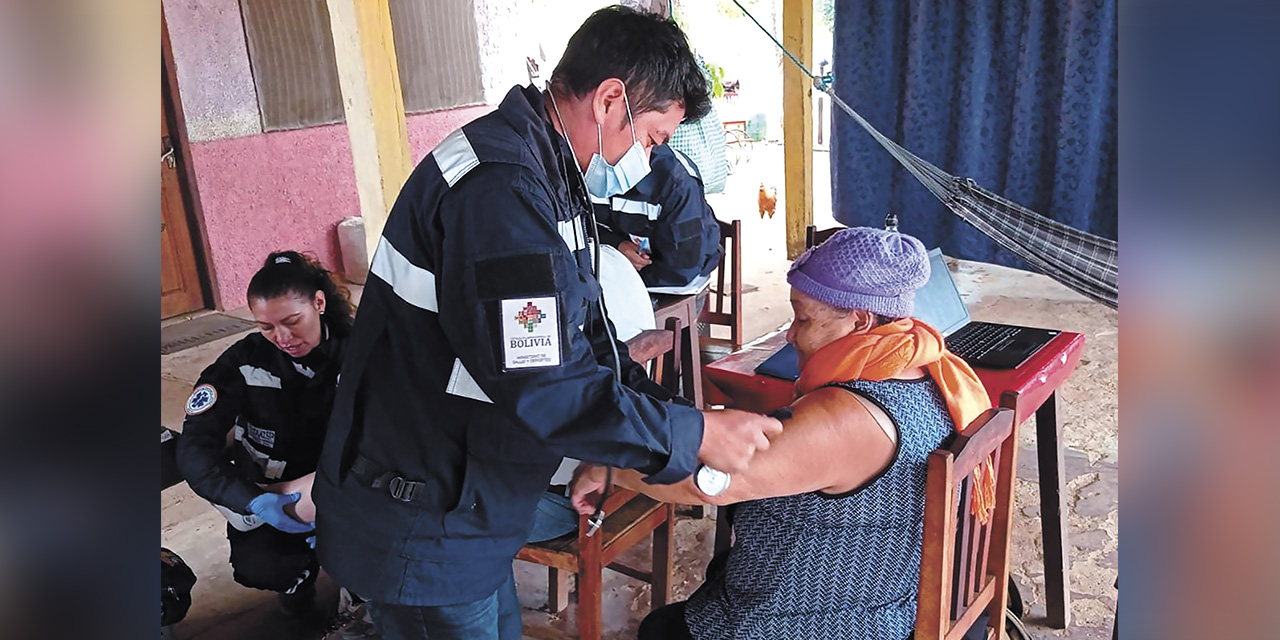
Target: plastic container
x=355, y=255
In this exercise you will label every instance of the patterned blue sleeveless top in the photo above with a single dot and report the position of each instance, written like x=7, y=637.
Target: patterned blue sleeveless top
x=815, y=567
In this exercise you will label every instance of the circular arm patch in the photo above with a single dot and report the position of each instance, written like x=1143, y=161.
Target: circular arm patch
x=202, y=398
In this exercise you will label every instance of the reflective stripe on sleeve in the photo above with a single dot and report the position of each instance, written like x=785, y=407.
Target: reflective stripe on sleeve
x=646, y=209
x=463, y=385
x=412, y=283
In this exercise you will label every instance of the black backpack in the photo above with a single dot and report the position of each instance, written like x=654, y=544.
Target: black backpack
x=1013, y=614
x=176, y=580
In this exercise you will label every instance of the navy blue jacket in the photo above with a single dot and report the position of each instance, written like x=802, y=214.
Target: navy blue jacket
x=494, y=218
x=277, y=406
x=669, y=208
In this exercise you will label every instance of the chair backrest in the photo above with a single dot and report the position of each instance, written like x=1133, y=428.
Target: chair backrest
x=964, y=568
x=813, y=237
x=725, y=306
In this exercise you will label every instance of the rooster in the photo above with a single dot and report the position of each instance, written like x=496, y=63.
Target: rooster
x=768, y=201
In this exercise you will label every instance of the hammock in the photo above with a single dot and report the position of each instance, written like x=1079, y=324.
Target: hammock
x=1082, y=261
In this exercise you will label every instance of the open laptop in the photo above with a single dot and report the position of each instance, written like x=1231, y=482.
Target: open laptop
x=982, y=344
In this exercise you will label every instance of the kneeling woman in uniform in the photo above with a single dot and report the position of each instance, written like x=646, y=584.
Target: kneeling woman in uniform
x=273, y=392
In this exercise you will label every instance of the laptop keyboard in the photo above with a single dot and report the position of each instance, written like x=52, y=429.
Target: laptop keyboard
x=979, y=339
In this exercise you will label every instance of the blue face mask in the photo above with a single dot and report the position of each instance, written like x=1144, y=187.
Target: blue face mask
x=605, y=180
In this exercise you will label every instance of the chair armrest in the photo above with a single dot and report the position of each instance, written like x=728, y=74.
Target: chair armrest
x=650, y=344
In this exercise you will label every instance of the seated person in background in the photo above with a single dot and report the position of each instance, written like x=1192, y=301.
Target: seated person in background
x=273, y=392
x=828, y=520
x=664, y=225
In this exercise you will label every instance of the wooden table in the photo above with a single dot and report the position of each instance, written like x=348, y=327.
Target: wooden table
x=1035, y=384
x=680, y=315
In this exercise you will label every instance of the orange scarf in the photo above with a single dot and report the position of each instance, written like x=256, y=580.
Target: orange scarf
x=890, y=349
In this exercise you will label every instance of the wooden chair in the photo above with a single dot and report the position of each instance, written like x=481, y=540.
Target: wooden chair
x=651, y=345
x=813, y=237
x=682, y=373
x=629, y=519
x=725, y=305
x=964, y=569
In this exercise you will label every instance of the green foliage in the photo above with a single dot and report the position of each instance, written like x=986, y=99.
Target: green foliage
x=826, y=10
x=715, y=73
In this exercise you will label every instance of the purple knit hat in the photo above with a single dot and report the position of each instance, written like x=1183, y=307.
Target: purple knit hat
x=864, y=268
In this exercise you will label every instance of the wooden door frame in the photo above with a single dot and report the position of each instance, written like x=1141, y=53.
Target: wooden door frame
x=186, y=169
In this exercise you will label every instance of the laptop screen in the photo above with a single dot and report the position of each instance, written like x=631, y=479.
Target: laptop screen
x=938, y=302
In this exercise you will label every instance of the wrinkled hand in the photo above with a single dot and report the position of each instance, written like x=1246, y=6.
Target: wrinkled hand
x=270, y=507
x=638, y=258
x=730, y=438
x=587, y=486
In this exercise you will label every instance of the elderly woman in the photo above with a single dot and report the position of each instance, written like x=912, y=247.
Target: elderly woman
x=828, y=520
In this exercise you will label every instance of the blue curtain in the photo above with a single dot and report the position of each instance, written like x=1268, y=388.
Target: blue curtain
x=1019, y=95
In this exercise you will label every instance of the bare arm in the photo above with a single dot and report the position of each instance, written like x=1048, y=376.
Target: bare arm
x=304, y=510
x=832, y=443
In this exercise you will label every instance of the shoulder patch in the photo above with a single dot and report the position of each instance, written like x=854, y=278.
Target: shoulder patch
x=201, y=400
x=455, y=157
x=530, y=333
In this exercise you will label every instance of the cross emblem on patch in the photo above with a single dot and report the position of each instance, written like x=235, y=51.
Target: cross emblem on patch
x=201, y=399
x=530, y=316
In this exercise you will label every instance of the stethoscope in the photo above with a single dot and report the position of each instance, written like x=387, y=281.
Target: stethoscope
x=578, y=191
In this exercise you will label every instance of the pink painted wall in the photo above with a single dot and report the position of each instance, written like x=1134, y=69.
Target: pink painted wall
x=280, y=190
x=288, y=190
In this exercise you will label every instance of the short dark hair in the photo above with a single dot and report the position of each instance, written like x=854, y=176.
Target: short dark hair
x=651, y=55
x=883, y=320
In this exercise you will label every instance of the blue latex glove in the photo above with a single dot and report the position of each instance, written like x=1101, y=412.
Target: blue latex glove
x=270, y=507
x=311, y=542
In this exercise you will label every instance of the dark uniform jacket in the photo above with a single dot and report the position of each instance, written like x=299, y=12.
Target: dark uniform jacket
x=278, y=408
x=669, y=208
x=478, y=360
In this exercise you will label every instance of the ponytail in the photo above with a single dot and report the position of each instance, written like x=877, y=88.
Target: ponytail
x=290, y=272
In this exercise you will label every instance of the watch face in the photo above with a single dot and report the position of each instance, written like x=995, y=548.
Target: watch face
x=711, y=481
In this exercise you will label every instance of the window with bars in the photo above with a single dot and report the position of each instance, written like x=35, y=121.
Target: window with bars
x=291, y=55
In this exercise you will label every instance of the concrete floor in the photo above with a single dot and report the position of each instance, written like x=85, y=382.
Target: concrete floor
x=1088, y=408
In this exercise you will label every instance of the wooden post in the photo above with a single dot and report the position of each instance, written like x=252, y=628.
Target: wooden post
x=590, y=583
x=797, y=122
x=558, y=589
x=374, y=107
x=1053, y=514
x=664, y=538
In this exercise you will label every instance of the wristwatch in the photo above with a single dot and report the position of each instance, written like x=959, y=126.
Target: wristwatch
x=711, y=481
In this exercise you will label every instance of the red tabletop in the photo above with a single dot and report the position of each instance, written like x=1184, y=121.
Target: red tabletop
x=737, y=384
